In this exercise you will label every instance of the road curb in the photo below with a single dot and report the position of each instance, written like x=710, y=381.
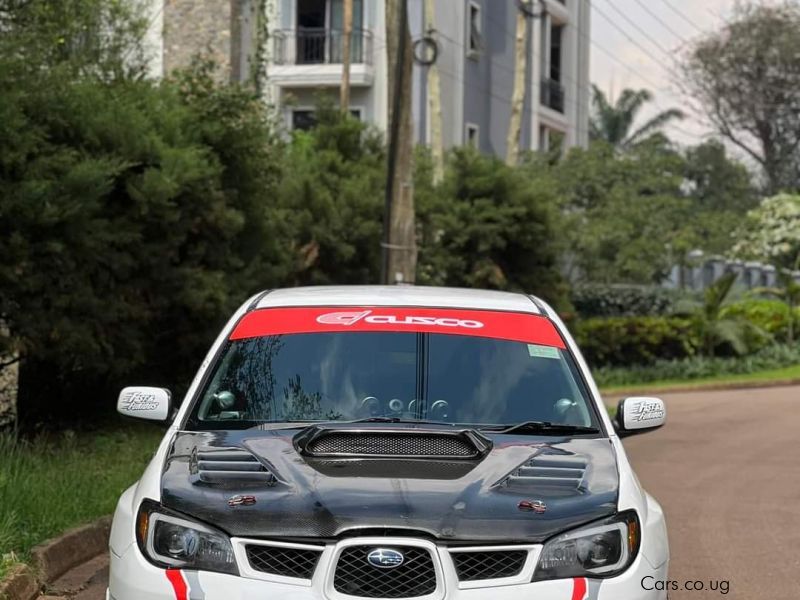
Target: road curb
x=689, y=388
x=55, y=557
x=20, y=584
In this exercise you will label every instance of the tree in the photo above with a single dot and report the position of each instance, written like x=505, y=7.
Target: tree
x=98, y=38
x=613, y=122
x=488, y=225
x=332, y=194
x=625, y=214
x=133, y=215
x=720, y=191
x=747, y=78
x=771, y=232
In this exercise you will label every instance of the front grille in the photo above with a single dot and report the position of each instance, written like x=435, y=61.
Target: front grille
x=391, y=444
x=289, y=562
x=476, y=566
x=355, y=576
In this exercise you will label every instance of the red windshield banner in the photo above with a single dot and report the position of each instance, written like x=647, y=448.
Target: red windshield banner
x=517, y=327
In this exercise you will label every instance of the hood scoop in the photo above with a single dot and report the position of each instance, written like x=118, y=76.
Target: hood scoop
x=325, y=442
x=551, y=471
x=229, y=466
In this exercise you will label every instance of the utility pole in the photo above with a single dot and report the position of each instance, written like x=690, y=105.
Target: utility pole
x=518, y=95
x=524, y=11
x=347, y=34
x=434, y=100
x=399, y=232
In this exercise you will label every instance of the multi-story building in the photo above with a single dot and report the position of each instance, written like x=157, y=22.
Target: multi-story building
x=475, y=60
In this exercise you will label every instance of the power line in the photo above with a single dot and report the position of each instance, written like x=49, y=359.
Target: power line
x=629, y=68
x=655, y=86
x=682, y=15
x=536, y=85
x=629, y=37
x=664, y=24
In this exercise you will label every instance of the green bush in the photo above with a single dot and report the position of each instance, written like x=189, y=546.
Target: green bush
x=772, y=316
x=487, y=225
x=635, y=340
x=133, y=217
x=606, y=300
x=698, y=367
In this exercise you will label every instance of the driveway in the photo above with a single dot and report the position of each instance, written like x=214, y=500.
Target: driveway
x=725, y=469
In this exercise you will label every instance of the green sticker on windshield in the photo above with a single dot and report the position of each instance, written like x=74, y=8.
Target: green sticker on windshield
x=538, y=351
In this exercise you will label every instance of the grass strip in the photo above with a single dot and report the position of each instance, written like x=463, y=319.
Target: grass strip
x=766, y=377
x=55, y=482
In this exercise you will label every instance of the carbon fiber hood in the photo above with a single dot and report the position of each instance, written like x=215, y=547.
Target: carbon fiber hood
x=561, y=483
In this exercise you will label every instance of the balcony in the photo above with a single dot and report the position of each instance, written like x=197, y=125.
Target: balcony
x=552, y=95
x=320, y=46
x=313, y=57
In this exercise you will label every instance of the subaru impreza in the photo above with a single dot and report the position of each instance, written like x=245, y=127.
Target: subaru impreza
x=345, y=443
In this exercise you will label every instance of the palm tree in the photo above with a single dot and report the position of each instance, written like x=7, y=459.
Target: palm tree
x=717, y=328
x=613, y=123
x=787, y=290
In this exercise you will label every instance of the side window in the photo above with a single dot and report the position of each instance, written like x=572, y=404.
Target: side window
x=475, y=34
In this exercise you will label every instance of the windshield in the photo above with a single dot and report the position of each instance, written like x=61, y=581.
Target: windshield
x=345, y=376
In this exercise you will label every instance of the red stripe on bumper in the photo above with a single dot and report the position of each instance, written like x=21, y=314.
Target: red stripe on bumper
x=178, y=584
x=578, y=589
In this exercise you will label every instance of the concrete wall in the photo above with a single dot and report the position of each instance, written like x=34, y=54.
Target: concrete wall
x=222, y=30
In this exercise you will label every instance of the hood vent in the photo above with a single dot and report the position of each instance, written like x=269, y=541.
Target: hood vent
x=549, y=471
x=230, y=465
x=320, y=442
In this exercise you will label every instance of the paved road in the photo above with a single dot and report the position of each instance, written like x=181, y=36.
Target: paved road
x=726, y=469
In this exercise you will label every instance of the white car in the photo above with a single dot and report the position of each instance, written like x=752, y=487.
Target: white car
x=390, y=442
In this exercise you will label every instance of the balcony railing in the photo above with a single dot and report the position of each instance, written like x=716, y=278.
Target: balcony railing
x=553, y=95
x=320, y=46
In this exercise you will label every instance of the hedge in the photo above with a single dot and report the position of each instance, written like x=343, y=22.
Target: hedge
x=606, y=300
x=773, y=316
x=635, y=340
x=697, y=367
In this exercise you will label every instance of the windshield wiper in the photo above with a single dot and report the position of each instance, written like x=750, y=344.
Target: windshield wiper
x=395, y=420
x=543, y=427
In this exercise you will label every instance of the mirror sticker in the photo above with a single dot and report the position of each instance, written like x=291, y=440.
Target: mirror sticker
x=137, y=400
x=646, y=410
x=537, y=351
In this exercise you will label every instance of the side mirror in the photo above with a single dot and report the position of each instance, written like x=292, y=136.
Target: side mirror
x=151, y=403
x=639, y=415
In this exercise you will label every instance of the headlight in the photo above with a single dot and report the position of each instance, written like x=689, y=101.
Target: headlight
x=601, y=549
x=170, y=541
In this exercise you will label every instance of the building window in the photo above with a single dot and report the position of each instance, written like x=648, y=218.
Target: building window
x=475, y=38
x=304, y=119
x=473, y=135
x=556, y=33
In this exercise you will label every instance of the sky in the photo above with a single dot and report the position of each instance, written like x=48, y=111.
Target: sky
x=646, y=48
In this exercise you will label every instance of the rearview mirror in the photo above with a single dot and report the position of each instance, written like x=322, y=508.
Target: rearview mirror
x=639, y=414
x=143, y=402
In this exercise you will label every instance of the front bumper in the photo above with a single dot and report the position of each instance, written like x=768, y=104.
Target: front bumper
x=133, y=578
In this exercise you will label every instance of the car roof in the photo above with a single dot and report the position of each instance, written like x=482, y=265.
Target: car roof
x=398, y=295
